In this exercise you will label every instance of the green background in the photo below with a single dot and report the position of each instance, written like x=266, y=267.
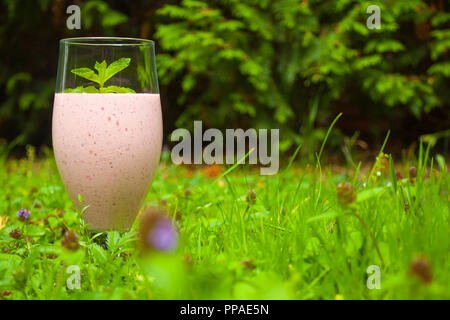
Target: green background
x=288, y=64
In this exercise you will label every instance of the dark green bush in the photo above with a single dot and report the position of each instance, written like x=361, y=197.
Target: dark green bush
x=267, y=63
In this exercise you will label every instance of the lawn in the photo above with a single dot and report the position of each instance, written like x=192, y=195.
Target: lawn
x=309, y=232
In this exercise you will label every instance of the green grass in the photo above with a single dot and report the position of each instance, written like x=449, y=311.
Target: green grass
x=296, y=241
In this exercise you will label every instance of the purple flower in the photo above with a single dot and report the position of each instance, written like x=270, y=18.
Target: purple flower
x=162, y=236
x=23, y=214
x=157, y=232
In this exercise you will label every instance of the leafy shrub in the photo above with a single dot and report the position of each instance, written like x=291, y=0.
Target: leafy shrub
x=266, y=63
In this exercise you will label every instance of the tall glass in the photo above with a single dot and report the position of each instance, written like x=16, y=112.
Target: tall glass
x=107, y=126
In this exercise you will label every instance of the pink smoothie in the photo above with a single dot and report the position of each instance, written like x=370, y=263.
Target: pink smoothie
x=107, y=148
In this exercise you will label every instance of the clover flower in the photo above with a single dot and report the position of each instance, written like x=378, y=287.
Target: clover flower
x=23, y=214
x=412, y=174
x=345, y=193
x=6, y=293
x=406, y=206
x=331, y=227
x=16, y=234
x=250, y=263
x=70, y=240
x=251, y=196
x=420, y=267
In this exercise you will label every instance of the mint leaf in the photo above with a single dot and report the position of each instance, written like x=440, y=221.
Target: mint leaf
x=104, y=72
x=101, y=68
x=116, y=89
x=92, y=89
x=81, y=89
x=86, y=73
x=116, y=67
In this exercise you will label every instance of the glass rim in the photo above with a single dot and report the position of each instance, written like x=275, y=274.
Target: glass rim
x=107, y=41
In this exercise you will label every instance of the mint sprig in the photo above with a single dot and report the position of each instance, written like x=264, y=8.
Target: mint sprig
x=104, y=72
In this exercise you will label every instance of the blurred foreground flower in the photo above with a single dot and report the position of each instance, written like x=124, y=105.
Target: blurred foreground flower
x=331, y=227
x=70, y=240
x=251, y=196
x=250, y=263
x=3, y=221
x=157, y=231
x=412, y=174
x=6, y=293
x=345, y=193
x=420, y=267
x=23, y=214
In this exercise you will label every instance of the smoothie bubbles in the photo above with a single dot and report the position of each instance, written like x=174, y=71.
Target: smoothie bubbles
x=107, y=126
